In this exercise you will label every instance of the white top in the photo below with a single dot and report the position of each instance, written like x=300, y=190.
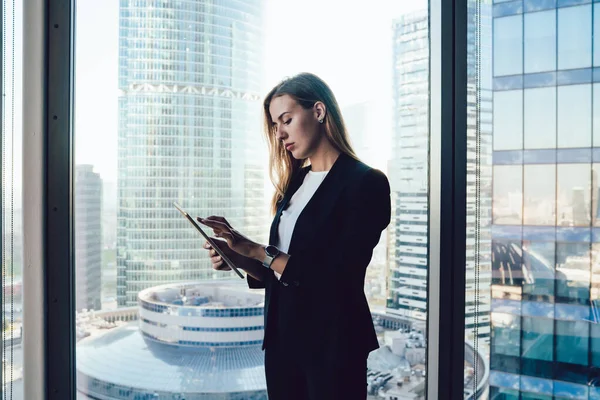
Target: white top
x=299, y=200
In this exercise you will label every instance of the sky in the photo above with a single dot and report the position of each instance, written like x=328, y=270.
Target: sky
x=345, y=43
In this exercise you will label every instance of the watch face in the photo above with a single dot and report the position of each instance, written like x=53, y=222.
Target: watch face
x=271, y=251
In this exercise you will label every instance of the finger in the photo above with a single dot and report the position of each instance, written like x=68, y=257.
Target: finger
x=207, y=245
x=216, y=259
x=219, y=219
x=217, y=227
x=221, y=266
x=228, y=237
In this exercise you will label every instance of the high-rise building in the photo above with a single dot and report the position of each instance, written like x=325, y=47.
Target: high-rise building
x=409, y=179
x=88, y=238
x=545, y=341
x=190, y=76
x=408, y=167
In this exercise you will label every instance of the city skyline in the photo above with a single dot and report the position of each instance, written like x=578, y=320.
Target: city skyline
x=97, y=61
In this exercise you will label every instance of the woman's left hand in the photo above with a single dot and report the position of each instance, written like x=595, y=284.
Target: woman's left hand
x=235, y=240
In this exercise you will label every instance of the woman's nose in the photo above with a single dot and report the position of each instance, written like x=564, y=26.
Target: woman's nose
x=279, y=134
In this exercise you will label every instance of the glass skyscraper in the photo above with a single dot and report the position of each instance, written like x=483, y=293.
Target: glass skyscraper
x=190, y=76
x=546, y=228
x=408, y=167
x=88, y=238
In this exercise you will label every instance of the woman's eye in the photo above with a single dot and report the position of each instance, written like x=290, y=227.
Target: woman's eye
x=288, y=121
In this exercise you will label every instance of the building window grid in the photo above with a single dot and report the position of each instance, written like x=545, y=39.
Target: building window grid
x=591, y=242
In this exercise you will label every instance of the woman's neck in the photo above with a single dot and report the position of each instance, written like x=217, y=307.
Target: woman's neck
x=324, y=158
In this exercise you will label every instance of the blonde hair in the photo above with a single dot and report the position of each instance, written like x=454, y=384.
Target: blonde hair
x=306, y=89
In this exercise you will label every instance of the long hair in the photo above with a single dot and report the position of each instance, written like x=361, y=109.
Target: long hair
x=306, y=89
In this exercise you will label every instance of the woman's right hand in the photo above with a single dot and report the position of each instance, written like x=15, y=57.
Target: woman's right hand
x=215, y=258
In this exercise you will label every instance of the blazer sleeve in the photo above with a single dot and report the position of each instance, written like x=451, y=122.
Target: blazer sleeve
x=254, y=283
x=345, y=258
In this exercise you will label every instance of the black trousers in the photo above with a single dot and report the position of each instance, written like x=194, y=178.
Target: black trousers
x=288, y=378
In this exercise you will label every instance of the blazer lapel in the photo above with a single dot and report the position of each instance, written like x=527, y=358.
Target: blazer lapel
x=322, y=203
x=294, y=186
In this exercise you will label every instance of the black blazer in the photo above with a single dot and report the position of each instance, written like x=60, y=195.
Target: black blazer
x=319, y=308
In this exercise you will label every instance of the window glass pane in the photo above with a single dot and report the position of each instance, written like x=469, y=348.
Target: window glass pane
x=574, y=116
x=508, y=120
x=185, y=126
x=11, y=202
x=538, y=267
x=506, y=342
x=508, y=45
x=508, y=195
x=595, y=195
x=539, y=194
x=537, y=339
x=574, y=37
x=595, y=339
x=573, y=273
x=540, y=118
x=573, y=195
x=572, y=342
x=596, y=112
x=596, y=33
x=540, y=41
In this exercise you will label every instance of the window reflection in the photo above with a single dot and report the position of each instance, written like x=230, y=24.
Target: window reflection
x=596, y=111
x=572, y=342
x=508, y=194
x=540, y=118
x=540, y=41
x=506, y=333
x=574, y=112
x=595, y=342
x=497, y=393
x=537, y=343
x=573, y=273
x=538, y=266
x=595, y=284
x=507, y=264
x=508, y=120
x=539, y=194
x=508, y=45
x=596, y=34
x=574, y=37
x=595, y=206
x=573, y=195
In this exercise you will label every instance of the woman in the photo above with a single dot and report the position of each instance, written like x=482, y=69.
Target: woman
x=330, y=210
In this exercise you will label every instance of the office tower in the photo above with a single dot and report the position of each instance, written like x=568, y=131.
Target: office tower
x=409, y=179
x=88, y=238
x=545, y=341
x=190, y=78
x=408, y=167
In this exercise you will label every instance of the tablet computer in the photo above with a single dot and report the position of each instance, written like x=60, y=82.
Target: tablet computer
x=209, y=240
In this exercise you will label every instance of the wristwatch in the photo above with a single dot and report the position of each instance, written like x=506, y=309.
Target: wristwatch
x=271, y=252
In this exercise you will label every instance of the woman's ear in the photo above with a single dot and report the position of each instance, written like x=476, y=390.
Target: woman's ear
x=320, y=111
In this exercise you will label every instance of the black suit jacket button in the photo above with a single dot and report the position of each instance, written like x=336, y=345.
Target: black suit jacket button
x=284, y=283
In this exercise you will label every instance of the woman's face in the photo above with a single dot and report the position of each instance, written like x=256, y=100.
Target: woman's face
x=297, y=128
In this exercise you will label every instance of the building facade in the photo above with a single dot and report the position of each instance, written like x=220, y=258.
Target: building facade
x=190, y=78
x=88, y=238
x=545, y=239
